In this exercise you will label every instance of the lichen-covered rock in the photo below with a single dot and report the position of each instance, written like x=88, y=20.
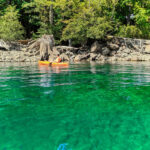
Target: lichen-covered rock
x=127, y=50
x=85, y=56
x=112, y=53
x=101, y=58
x=96, y=47
x=93, y=56
x=105, y=51
x=4, y=45
x=113, y=59
x=64, y=57
x=114, y=49
x=113, y=46
x=123, y=55
x=134, y=58
x=55, y=51
x=147, y=49
x=69, y=54
x=64, y=49
x=77, y=58
x=81, y=57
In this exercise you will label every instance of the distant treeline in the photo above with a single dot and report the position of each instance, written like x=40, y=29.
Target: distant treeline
x=74, y=20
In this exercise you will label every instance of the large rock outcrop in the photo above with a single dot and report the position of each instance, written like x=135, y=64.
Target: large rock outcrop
x=113, y=49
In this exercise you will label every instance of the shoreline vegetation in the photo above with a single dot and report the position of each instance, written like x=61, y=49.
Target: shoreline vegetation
x=97, y=30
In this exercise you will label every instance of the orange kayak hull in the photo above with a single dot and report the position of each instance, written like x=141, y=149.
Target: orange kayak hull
x=53, y=63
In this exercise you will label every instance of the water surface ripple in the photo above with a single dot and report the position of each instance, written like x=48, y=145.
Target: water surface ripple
x=82, y=107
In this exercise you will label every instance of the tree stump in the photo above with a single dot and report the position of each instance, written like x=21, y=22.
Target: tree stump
x=44, y=46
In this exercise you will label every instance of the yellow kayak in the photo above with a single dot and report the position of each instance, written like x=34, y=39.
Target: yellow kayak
x=53, y=63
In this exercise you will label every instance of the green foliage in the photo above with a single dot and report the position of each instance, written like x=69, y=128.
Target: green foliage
x=130, y=31
x=86, y=23
x=80, y=29
x=139, y=25
x=78, y=20
x=142, y=19
x=44, y=29
x=98, y=27
x=10, y=27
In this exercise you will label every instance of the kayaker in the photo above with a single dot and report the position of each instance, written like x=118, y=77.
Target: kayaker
x=58, y=59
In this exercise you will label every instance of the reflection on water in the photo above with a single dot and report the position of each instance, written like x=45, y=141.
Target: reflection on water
x=82, y=107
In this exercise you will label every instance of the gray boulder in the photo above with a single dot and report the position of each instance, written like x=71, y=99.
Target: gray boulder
x=105, y=51
x=101, y=58
x=4, y=45
x=93, y=56
x=82, y=57
x=64, y=57
x=96, y=47
x=55, y=51
x=147, y=49
x=64, y=49
x=69, y=54
x=112, y=53
x=124, y=55
x=113, y=46
x=127, y=50
x=77, y=58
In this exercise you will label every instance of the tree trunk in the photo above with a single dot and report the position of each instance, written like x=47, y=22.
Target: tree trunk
x=129, y=15
x=70, y=42
x=89, y=3
x=9, y=2
x=51, y=14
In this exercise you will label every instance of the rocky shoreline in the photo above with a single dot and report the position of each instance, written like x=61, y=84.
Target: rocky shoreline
x=112, y=49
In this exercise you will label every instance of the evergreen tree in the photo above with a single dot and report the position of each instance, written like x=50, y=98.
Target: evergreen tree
x=10, y=27
x=78, y=20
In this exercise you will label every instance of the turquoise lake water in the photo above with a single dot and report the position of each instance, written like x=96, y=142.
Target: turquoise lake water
x=83, y=107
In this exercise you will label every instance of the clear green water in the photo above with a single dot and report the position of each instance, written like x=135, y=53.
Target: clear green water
x=89, y=107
